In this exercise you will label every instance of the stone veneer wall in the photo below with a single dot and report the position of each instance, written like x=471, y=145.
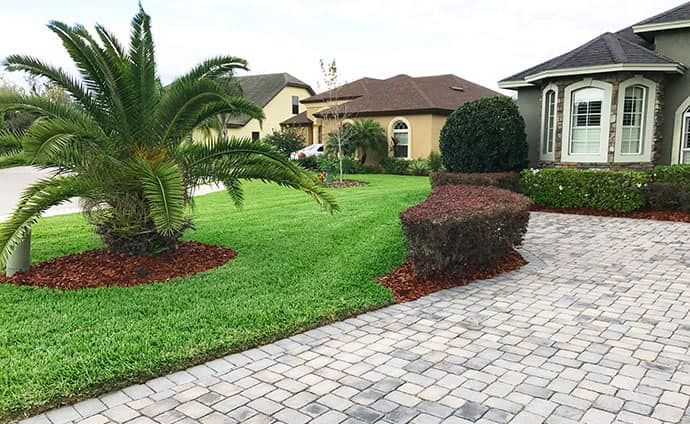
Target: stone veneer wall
x=615, y=79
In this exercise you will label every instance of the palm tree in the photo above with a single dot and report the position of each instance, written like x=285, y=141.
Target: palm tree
x=123, y=144
x=366, y=136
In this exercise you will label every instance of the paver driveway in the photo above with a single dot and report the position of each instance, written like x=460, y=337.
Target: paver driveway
x=595, y=329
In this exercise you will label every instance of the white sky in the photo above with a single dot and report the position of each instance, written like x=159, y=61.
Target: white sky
x=479, y=40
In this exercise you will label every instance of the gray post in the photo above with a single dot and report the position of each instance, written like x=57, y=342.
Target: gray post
x=20, y=260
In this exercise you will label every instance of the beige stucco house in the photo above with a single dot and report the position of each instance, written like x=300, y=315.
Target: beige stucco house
x=279, y=95
x=412, y=110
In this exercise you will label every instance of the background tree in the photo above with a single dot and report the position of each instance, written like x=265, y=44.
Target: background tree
x=123, y=145
x=336, y=111
x=366, y=137
x=286, y=141
x=485, y=135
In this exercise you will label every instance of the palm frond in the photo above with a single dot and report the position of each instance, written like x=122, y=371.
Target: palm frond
x=188, y=103
x=164, y=190
x=98, y=75
x=244, y=159
x=41, y=106
x=74, y=88
x=39, y=197
x=216, y=67
x=59, y=142
x=10, y=142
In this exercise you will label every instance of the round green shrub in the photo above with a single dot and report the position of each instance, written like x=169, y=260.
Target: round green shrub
x=486, y=135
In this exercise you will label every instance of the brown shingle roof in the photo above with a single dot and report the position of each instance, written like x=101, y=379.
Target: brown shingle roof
x=404, y=94
x=300, y=119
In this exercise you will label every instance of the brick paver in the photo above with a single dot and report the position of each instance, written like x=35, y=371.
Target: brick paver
x=596, y=329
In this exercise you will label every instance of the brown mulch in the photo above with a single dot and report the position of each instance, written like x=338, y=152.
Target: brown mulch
x=346, y=184
x=100, y=268
x=406, y=286
x=675, y=216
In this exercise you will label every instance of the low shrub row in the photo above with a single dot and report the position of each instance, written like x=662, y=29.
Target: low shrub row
x=664, y=188
x=461, y=228
x=505, y=180
x=621, y=191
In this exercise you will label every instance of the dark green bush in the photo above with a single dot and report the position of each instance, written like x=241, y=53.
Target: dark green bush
x=622, y=191
x=668, y=196
x=486, y=135
x=461, y=228
x=669, y=188
x=392, y=165
x=308, y=162
x=285, y=141
x=505, y=180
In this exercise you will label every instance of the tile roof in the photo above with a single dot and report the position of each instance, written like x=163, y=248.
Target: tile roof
x=403, y=93
x=298, y=120
x=261, y=89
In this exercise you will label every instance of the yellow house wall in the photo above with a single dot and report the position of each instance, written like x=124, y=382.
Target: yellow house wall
x=276, y=111
x=425, y=131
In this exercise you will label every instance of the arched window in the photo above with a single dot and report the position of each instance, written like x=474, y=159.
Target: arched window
x=548, y=136
x=401, y=139
x=634, y=107
x=685, y=146
x=635, y=125
x=586, y=128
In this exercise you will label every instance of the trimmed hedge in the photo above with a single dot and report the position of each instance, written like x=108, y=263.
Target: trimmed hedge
x=460, y=228
x=670, y=188
x=505, y=180
x=621, y=191
x=485, y=135
x=672, y=174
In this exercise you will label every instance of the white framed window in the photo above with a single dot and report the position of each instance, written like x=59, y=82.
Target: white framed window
x=633, y=119
x=548, y=122
x=681, y=129
x=401, y=139
x=586, y=121
x=685, y=147
x=585, y=132
x=635, y=126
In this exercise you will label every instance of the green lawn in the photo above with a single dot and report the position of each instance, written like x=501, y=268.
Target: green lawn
x=297, y=267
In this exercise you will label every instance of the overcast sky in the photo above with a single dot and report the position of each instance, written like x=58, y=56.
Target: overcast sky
x=479, y=40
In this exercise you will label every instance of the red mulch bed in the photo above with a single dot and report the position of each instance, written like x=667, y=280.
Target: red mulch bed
x=406, y=286
x=100, y=268
x=675, y=216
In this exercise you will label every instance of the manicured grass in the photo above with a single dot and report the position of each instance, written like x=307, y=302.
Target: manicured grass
x=297, y=267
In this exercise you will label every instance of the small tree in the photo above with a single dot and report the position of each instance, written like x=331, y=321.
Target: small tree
x=486, y=135
x=335, y=111
x=286, y=141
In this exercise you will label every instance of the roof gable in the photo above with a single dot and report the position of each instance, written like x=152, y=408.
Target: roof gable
x=261, y=89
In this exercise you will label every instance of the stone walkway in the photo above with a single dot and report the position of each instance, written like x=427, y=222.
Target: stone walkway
x=596, y=329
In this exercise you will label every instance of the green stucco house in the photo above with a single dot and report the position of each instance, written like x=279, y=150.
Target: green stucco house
x=620, y=100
